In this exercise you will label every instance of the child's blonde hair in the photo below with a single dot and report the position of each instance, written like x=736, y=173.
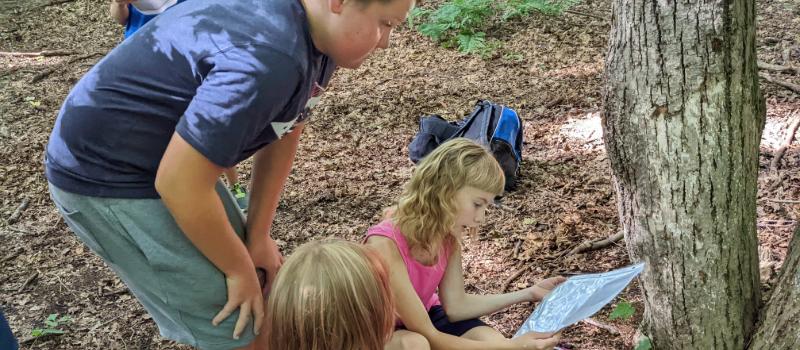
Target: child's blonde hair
x=331, y=295
x=427, y=209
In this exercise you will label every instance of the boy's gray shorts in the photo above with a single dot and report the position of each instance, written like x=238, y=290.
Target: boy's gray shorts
x=140, y=240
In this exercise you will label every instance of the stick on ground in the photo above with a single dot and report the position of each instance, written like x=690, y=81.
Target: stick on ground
x=784, y=83
x=589, y=246
x=776, y=68
x=45, y=53
x=514, y=276
x=602, y=325
x=786, y=142
x=17, y=213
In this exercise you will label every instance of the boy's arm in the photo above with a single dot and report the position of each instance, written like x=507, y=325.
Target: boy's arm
x=271, y=166
x=186, y=181
x=119, y=10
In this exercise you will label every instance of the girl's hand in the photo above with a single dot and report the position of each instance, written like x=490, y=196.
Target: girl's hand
x=537, y=341
x=544, y=287
x=244, y=293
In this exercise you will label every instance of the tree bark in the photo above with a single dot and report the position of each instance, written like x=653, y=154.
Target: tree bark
x=683, y=116
x=779, y=326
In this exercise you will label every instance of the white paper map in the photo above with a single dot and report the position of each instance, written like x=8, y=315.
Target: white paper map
x=578, y=298
x=153, y=7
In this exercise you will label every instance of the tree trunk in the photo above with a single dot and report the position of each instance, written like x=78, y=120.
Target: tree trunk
x=779, y=326
x=683, y=116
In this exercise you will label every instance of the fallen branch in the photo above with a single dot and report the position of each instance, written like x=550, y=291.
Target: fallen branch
x=39, y=77
x=17, y=213
x=786, y=142
x=589, y=246
x=28, y=281
x=514, y=276
x=45, y=53
x=554, y=102
x=11, y=256
x=776, y=81
x=782, y=201
x=585, y=14
x=776, y=68
x=599, y=324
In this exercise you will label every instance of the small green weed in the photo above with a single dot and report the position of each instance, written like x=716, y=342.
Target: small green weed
x=52, y=321
x=459, y=22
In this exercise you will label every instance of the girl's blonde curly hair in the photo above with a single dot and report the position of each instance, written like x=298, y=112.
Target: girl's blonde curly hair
x=426, y=210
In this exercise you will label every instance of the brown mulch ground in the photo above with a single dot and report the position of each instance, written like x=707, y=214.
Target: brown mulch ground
x=353, y=160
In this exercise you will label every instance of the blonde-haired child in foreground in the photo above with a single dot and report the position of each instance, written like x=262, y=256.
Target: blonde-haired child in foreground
x=447, y=197
x=331, y=295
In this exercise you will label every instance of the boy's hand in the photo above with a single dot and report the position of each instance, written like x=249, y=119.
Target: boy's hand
x=264, y=253
x=243, y=294
x=544, y=287
x=537, y=341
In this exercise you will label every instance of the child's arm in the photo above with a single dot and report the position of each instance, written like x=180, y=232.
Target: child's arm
x=412, y=312
x=461, y=306
x=186, y=181
x=119, y=10
x=271, y=166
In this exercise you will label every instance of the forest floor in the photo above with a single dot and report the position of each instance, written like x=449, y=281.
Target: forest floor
x=353, y=161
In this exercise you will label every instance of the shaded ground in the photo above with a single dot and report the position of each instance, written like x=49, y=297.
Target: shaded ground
x=353, y=160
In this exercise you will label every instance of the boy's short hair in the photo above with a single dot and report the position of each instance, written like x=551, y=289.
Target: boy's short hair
x=331, y=295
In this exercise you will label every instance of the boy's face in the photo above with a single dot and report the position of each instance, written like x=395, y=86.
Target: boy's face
x=358, y=30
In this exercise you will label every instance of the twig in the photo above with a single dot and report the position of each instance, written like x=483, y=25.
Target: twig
x=11, y=256
x=514, y=276
x=782, y=201
x=585, y=14
x=776, y=68
x=28, y=281
x=773, y=225
x=17, y=213
x=583, y=247
x=39, y=77
x=45, y=53
x=786, y=142
x=504, y=207
x=784, y=83
x=554, y=102
x=516, y=249
x=596, y=323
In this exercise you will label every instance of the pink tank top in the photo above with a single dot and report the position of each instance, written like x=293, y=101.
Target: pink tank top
x=425, y=279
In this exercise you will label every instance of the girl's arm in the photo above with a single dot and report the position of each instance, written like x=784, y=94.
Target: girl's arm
x=461, y=306
x=119, y=10
x=413, y=314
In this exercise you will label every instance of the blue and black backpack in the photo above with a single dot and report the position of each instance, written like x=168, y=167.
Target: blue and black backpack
x=495, y=126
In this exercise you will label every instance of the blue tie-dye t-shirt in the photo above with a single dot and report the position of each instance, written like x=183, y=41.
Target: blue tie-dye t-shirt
x=229, y=76
x=137, y=19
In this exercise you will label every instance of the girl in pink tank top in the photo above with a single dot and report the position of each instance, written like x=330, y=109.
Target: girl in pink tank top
x=421, y=241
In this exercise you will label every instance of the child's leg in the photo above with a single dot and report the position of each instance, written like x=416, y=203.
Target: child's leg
x=231, y=176
x=140, y=240
x=484, y=333
x=407, y=340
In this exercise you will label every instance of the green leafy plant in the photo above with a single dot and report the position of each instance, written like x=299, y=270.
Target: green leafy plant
x=53, y=321
x=460, y=21
x=644, y=344
x=622, y=310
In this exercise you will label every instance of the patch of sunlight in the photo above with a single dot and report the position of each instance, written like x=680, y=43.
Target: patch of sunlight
x=585, y=130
